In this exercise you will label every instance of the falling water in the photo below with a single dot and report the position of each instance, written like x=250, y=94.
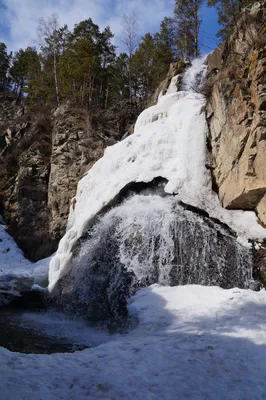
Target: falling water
x=194, y=76
x=150, y=239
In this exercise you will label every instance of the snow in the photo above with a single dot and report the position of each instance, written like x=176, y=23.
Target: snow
x=192, y=342
x=64, y=328
x=12, y=258
x=16, y=272
x=170, y=142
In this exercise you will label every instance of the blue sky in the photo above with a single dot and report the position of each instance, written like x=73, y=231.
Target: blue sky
x=19, y=18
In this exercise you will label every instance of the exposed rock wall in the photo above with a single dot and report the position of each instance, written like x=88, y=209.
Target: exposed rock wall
x=42, y=159
x=24, y=175
x=77, y=143
x=74, y=149
x=10, y=109
x=176, y=68
x=236, y=113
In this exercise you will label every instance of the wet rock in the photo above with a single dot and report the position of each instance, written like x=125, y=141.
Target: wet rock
x=171, y=245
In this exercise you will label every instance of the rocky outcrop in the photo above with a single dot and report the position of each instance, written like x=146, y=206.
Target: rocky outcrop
x=75, y=148
x=24, y=176
x=10, y=108
x=176, y=68
x=77, y=143
x=42, y=160
x=236, y=113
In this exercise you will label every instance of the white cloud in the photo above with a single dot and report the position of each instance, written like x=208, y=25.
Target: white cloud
x=21, y=16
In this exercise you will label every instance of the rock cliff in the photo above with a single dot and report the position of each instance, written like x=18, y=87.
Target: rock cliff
x=24, y=176
x=236, y=114
x=78, y=141
x=42, y=160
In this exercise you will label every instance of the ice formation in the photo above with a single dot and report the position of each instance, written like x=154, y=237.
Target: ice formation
x=145, y=240
x=169, y=142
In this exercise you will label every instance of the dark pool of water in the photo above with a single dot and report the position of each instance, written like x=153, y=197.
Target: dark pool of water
x=24, y=338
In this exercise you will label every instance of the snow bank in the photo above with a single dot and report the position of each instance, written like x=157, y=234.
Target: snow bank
x=191, y=308
x=192, y=342
x=170, y=142
x=11, y=257
x=16, y=272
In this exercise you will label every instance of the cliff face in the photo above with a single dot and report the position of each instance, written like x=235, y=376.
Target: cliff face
x=24, y=175
x=236, y=114
x=42, y=159
x=77, y=143
x=74, y=150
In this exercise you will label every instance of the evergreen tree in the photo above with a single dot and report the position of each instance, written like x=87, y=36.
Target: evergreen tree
x=22, y=63
x=164, y=50
x=86, y=64
x=4, y=66
x=78, y=69
x=151, y=60
x=82, y=66
x=187, y=16
x=39, y=85
x=143, y=67
x=119, y=83
x=228, y=11
x=107, y=61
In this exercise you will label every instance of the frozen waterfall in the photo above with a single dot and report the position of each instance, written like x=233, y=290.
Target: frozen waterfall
x=116, y=243
x=149, y=239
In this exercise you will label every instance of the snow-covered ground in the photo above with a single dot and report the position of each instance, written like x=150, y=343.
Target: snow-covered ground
x=16, y=272
x=11, y=257
x=192, y=342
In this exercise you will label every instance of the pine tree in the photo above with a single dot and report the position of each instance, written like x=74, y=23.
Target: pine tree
x=187, y=16
x=228, y=11
x=78, y=67
x=39, y=85
x=119, y=82
x=22, y=63
x=151, y=60
x=4, y=66
x=143, y=68
x=85, y=66
x=164, y=50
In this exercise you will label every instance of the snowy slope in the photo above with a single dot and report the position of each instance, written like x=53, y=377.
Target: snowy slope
x=192, y=342
x=169, y=142
x=12, y=259
x=16, y=272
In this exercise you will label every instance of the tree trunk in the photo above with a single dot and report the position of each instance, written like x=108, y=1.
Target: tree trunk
x=56, y=81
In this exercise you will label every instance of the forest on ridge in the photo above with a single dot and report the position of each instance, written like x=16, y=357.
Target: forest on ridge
x=83, y=65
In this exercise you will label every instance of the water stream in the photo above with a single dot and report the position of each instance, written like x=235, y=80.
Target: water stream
x=150, y=239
